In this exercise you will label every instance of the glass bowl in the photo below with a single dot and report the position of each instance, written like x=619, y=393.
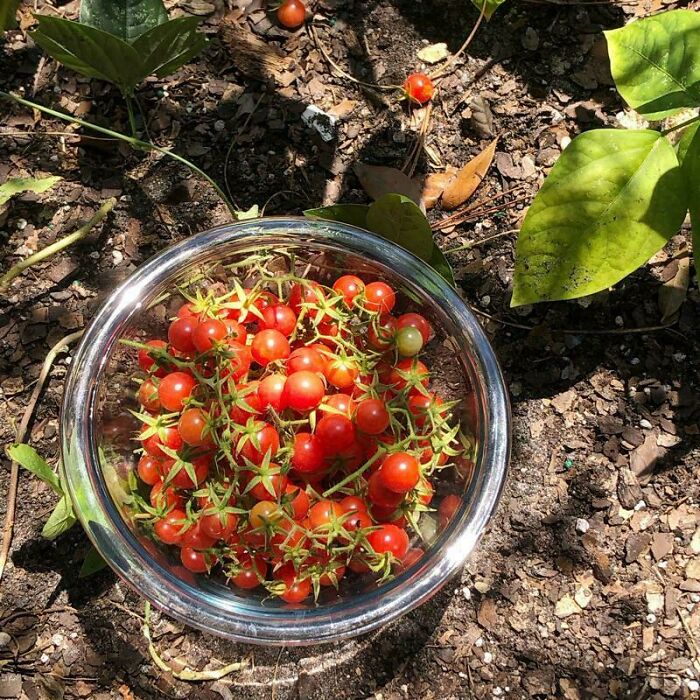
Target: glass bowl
x=97, y=434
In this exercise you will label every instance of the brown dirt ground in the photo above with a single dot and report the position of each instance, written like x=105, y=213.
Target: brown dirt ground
x=587, y=583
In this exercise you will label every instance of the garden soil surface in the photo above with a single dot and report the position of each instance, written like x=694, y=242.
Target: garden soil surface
x=587, y=582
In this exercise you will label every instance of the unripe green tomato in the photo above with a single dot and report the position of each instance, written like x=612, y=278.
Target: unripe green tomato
x=409, y=341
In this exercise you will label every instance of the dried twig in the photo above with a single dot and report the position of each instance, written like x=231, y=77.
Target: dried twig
x=20, y=435
x=57, y=246
x=472, y=244
x=187, y=674
x=69, y=134
x=409, y=166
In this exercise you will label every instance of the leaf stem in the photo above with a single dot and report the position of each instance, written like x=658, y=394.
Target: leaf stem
x=57, y=246
x=132, y=116
x=682, y=125
x=133, y=141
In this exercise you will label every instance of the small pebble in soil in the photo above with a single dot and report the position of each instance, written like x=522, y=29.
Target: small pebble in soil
x=488, y=657
x=582, y=525
x=644, y=423
x=651, y=618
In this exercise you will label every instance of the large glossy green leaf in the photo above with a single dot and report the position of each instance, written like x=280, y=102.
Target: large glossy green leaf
x=611, y=201
x=8, y=14
x=126, y=19
x=61, y=519
x=656, y=62
x=168, y=46
x=353, y=214
x=439, y=262
x=689, y=157
x=16, y=185
x=90, y=51
x=399, y=219
x=27, y=457
x=491, y=6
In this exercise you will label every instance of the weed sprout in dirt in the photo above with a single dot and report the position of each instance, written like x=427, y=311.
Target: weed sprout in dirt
x=291, y=431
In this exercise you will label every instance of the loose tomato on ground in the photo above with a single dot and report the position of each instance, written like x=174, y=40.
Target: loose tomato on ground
x=291, y=14
x=251, y=572
x=419, y=88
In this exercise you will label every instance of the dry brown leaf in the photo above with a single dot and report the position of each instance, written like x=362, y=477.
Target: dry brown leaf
x=378, y=180
x=672, y=294
x=469, y=178
x=435, y=184
x=433, y=53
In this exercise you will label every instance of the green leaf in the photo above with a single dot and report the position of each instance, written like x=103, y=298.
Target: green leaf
x=353, y=214
x=8, y=14
x=252, y=213
x=92, y=563
x=15, y=185
x=61, y=519
x=29, y=458
x=491, y=6
x=611, y=201
x=126, y=19
x=399, y=219
x=168, y=46
x=89, y=51
x=439, y=262
x=689, y=157
x=656, y=62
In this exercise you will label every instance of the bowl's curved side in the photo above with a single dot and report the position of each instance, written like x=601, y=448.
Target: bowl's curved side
x=237, y=619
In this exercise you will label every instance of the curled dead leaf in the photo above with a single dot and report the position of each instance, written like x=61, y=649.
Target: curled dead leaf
x=434, y=185
x=433, y=53
x=378, y=180
x=672, y=294
x=469, y=178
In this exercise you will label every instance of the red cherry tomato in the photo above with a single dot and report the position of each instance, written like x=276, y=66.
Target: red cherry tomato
x=291, y=14
x=207, y=332
x=307, y=296
x=193, y=427
x=339, y=403
x=182, y=479
x=371, y=416
x=447, y=508
x=267, y=440
x=166, y=437
x=324, y=515
x=276, y=482
x=300, y=502
x=163, y=499
x=389, y=538
x=268, y=346
x=379, y=296
x=341, y=373
x=174, y=388
x=147, y=361
x=408, y=371
x=251, y=572
x=195, y=561
x=380, y=495
x=271, y=392
x=382, y=332
x=399, y=472
x=280, y=318
x=169, y=529
x=296, y=589
x=419, y=88
x=148, y=396
x=305, y=359
x=239, y=360
x=149, y=470
x=219, y=526
x=304, y=390
x=413, y=320
x=180, y=333
x=349, y=286
x=335, y=433
x=308, y=455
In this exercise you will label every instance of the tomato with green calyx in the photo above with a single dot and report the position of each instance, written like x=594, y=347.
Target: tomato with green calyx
x=348, y=286
x=409, y=341
x=419, y=88
x=372, y=417
x=194, y=427
x=174, y=389
x=303, y=391
x=207, y=333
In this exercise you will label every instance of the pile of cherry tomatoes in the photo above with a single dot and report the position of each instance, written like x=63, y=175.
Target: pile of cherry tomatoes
x=288, y=438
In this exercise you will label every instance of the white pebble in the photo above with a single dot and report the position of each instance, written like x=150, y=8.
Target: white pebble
x=644, y=423
x=479, y=642
x=486, y=300
x=619, y=321
x=641, y=505
x=695, y=598
x=635, y=361
x=466, y=593
x=57, y=639
x=44, y=658
x=582, y=525
x=651, y=618
x=117, y=257
x=219, y=125
x=497, y=691
x=488, y=657
x=693, y=686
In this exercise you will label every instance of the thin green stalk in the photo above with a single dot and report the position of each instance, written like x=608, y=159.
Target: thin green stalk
x=56, y=247
x=132, y=116
x=682, y=125
x=133, y=141
x=472, y=244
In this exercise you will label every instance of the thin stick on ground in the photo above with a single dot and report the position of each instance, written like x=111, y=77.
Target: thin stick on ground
x=444, y=69
x=20, y=436
x=57, y=246
x=35, y=134
x=187, y=674
x=472, y=244
x=409, y=166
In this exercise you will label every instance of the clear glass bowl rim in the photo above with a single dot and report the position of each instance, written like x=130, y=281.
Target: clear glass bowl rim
x=239, y=620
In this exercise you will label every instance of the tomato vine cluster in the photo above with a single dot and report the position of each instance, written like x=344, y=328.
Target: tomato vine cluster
x=289, y=433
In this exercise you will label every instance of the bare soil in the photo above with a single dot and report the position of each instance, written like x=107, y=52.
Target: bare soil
x=587, y=583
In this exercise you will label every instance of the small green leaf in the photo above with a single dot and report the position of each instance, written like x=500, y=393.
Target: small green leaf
x=252, y=213
x=168, y=46
x=89, y=51
x=61, y=519
x=399, y=219
x=92, y=563
x=656, y=62
x=353, y=214
x=439, y=262
x=8, y=14
x=126, y=19
x=491, y=6
x=27, y=457
x=15, y=185
x=689, y=157
x=611, y=201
